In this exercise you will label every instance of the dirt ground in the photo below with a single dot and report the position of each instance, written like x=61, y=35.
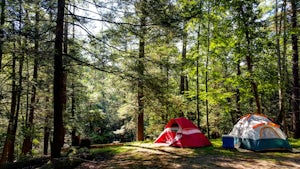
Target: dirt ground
x=150, y=156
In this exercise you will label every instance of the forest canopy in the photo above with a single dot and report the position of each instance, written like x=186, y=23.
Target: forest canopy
x=118, y=70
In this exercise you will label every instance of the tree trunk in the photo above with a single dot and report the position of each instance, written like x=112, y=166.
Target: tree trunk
x=183, y=77
x=19, y=94
x=197, y=78
x=206, y=74
x=250, y=70
x=27, y=144
x=237, y=99
x=2, y=20
x=46, y=126
x=281, y=89
x=141, y=68
x=10, y=134
x=284, y=69
x=59, y=85
x=73, y=133
x=75, y=140
x=295, y=69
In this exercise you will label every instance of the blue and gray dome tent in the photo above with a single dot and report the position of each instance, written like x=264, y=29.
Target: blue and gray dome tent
x=258, y=133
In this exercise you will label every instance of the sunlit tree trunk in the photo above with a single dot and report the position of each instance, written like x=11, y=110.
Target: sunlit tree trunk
x=280, y=97
x=18, y=105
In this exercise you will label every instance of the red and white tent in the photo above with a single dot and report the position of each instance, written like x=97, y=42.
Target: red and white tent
x=180, y=132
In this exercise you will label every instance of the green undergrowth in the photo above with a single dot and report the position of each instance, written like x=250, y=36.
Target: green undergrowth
x=295, y=143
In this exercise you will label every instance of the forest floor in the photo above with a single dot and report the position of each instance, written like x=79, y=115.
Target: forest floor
x=149, y=156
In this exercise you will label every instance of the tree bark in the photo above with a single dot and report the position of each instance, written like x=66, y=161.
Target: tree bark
x=18, y=104
x=197, y=79
x=73, y=103
x=206, y=74
x=46, y=127
x=295, y=69
x=286, y=83
x=59, y=84
x=183, y=77
x=279, y=65
x=238, y=112
x=141, y=68
x=2, y=21
x=27, y=144
x=10, y=134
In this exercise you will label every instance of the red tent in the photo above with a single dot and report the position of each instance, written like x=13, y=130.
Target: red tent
x=180, y=132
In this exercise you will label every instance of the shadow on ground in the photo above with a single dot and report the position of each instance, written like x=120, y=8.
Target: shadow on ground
x=147, y=155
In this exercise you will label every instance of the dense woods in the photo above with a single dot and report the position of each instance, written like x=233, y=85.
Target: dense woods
x=118, y=70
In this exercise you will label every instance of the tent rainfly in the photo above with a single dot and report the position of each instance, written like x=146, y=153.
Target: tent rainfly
x=257, y=132
x=180, y=132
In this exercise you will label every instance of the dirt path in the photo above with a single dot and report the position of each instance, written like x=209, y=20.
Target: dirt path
x=148, y=156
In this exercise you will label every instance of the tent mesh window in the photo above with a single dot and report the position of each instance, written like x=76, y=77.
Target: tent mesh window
x=268, y=132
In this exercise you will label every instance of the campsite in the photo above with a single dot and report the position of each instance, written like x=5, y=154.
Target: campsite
x=142, y=155
x=186, y=151
x=149, y=84
x=148, y=155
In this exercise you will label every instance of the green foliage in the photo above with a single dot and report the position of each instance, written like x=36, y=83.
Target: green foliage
x=295, y=143
x=102, y=66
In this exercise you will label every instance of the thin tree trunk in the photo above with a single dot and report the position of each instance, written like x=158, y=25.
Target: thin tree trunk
x=280, y=73
x=27, y=144
x=245, y=26
x=206, y=75
x=2, y=20
x=277, y=28
x=250, y=70
x=73, y=100
x=19, y=88
x=19, y=93
x=237, y=99
x=183, y=77
x=73, y=103
x=197, y=79
x=59, y=83
x=295, y=69
x=284, y=67
x=46, y=126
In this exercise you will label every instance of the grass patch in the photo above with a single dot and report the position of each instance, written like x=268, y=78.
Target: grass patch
x=295, y=143
x=110, y=150
x=215, y=149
